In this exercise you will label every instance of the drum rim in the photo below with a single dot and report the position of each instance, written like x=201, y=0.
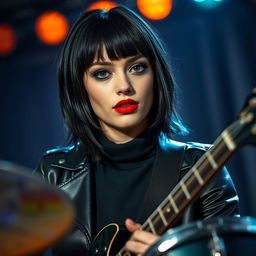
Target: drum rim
x=202, y=228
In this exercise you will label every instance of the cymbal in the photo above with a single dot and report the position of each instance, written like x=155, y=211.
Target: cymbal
x=33, y=214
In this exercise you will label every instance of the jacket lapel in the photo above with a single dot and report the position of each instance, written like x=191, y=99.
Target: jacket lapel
x=78, y=185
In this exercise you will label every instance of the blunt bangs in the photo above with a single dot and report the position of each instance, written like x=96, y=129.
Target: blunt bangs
x=120, y=34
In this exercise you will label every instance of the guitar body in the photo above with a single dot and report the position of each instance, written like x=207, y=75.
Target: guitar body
x=109, y=241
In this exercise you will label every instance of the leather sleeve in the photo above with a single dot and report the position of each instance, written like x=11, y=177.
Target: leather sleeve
x=58, y=169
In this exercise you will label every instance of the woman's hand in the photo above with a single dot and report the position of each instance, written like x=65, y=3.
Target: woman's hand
x=140, y=240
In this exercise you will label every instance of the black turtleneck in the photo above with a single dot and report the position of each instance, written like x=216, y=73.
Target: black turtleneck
x=121, y=178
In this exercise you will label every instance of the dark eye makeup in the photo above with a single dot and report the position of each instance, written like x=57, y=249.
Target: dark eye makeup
x=138, y=68
x=100, y=74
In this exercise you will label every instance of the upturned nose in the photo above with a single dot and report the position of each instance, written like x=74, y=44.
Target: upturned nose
x=123, y=85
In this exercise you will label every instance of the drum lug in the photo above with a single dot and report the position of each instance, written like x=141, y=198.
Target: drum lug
x=216, y=245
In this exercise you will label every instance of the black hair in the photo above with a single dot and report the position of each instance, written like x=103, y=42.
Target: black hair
x=123, y=33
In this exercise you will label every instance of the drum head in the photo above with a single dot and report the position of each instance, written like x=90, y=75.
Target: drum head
x=223, y=236
x=33, y=214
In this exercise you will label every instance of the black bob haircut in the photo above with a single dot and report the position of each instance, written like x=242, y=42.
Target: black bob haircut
x=123, y=33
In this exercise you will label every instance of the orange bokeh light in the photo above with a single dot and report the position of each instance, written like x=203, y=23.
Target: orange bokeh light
x=7, y=39
x=155, y=9
x=52, y=27
x=103, y=5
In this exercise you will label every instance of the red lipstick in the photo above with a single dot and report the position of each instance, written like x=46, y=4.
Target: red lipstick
x=126, y=106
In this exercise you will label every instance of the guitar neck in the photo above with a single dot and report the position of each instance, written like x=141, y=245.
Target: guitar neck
x=191, y=185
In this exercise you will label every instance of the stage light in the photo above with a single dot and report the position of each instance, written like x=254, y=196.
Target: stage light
x=208, y=3
x=8, y=39
x=52, y=27
x=103, y=5
x=155, y=9
x=201, y=1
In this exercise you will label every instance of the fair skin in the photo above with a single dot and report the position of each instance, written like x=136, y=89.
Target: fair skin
x=108, y=82
x=140, y=241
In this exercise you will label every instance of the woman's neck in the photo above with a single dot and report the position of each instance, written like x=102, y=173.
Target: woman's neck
x=120, y=136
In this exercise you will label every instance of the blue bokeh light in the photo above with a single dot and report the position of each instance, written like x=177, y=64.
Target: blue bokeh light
x=208, y=3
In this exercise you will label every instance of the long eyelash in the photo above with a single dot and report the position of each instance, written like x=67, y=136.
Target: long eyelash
x=94, y=74
x=143, y=64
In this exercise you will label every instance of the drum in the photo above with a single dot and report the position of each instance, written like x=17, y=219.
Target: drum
x=33, y=214
x=223, y=236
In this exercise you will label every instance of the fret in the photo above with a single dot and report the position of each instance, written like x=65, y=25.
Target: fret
x=184, y=188
x=151, y=226
x=174, y=206
x=204, y=167
x=154, y=223
x=211, y=160
x=145, y=226
x=228, y=140
x=162, y=216
x=198, y=176
x=222, y=156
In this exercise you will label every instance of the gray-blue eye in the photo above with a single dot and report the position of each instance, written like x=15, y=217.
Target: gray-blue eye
x=100, y=74
x=139, y=68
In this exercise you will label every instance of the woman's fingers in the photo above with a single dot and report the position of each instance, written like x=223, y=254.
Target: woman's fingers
x=131, y=225
x=136, y=247
x=140, y=240
x=144, y=237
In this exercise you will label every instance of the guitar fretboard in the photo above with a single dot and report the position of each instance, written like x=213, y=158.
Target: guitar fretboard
x=190, y=186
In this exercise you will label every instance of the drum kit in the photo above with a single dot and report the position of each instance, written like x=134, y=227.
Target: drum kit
x=35, y=216
x=223, y=236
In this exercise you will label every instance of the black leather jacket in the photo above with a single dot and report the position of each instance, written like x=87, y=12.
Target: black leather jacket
x=69, y=170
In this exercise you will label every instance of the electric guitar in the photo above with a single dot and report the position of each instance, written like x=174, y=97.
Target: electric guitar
x=239, y=133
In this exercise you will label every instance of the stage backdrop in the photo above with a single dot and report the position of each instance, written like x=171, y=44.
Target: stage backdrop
x=212, y=56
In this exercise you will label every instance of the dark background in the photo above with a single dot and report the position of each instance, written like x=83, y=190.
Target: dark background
x=212, y=53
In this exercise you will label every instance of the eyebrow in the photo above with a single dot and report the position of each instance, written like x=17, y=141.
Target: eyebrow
x=106, y=63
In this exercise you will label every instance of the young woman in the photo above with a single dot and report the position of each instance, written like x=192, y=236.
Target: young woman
x=117, y=98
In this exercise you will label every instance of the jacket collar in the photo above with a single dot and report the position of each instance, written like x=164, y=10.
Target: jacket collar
x=73, y=158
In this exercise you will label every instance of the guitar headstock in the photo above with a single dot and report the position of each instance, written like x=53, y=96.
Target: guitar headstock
x=246, y=130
